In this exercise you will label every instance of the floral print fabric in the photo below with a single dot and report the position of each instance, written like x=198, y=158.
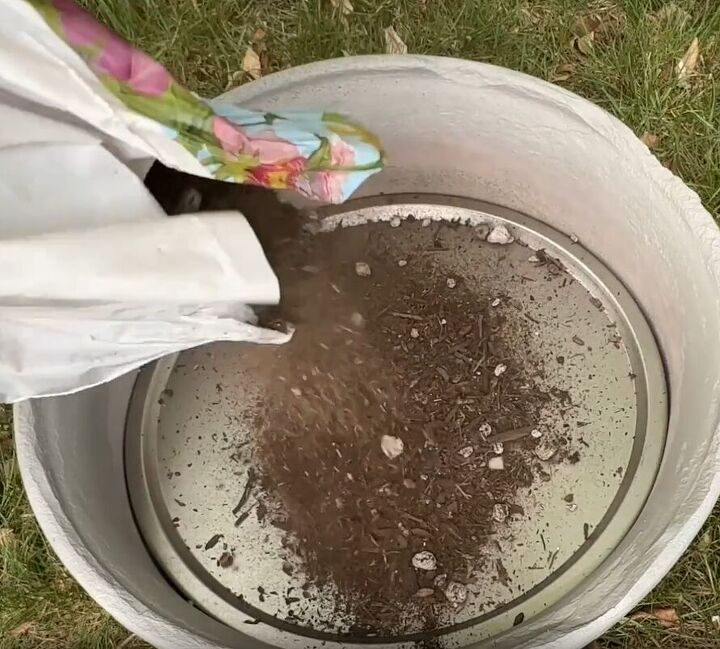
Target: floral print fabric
x=323, y=156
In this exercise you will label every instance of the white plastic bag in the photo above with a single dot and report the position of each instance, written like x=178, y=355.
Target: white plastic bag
x=96, y=280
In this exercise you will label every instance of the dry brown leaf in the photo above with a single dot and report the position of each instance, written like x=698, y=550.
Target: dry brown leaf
x=23, y=629
x=666, y=617
x=584, y=44
x=650, y=140
x=393, y=43
x=251, y=63
x=687, y=64
x=344, y=5
x=564, y=72
x=6, y=536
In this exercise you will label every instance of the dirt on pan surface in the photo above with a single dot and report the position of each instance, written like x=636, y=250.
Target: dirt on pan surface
x=402, y=421
x=399, y=424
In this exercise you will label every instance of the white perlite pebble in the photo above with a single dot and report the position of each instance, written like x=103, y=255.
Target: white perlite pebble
x=357, y=320
x=496, y=463
x=296, y=391
x=456, y=593
x=572, y=507
x=362, y=269
x=573, y=238
x=466, y=451
x=451, y=283
x=424, y=560
x=395, y=222
x=534, y=259
x=392, y=446
x=414, y=333
x=500, y=512
x=495, y=302
x=545, y=450
x=537, y=434
x=402, y=262
x=500, y=369
x=484, y=430
x=500, y=235
x=498, y=448
x=426, y=222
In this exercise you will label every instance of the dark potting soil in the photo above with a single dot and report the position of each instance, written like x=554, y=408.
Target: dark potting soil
x=401, y=421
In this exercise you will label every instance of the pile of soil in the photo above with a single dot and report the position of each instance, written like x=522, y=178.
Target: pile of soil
x=402, y=421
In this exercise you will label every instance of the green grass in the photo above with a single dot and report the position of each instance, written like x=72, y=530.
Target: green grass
x=629, y=70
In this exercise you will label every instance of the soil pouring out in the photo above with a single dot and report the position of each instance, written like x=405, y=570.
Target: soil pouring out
x=447, y=433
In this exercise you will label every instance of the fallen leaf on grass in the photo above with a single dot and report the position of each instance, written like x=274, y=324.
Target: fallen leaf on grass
x=259, y=35
x=21, y=630
x=564, y=72
x=666, y=617
x=344, y=5
x=251, y=63
x=584, y=44
x=6, y=536
x=393, y=43
x=687, y=64
x=650, y=140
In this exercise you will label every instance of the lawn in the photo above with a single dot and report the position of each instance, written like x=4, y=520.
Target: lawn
x=623, y=55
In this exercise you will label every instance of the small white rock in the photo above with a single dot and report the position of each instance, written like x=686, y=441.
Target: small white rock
x=484, y=430
x=572, y=507
x=544, y=450
x=443, y=321
x=357, y=320
x=537, y=434
x=466, y=451
x=426, y=222
x=500, y=235
x=573, y=238
x=402, y=262
x=362, y=269
x=451, y=283
x=498, y=448
x=424, y=560
x=296, y=391
x=495, y=302
x=440, y=581
x=414, y=333
x=500, y=369
x=534, y=259
x=456, y=593
x=392, y=446
x=500, y=512
x=395, y=222
x=496, y=463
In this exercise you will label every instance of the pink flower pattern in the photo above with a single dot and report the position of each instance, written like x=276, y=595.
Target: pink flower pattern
x=117, y=57
x=262, y=157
